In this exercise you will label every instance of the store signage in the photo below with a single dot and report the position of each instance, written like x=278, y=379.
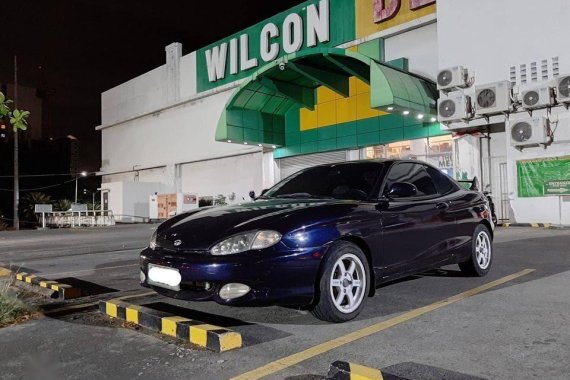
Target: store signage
x=309, y=27
x=543, y=177
x=561, y=187
x=385, y=10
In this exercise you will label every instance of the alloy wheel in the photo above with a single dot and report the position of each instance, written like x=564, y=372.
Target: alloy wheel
x=483, y=250
x=348, y=283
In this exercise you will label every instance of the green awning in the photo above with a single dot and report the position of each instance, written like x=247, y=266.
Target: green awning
x=256, y=111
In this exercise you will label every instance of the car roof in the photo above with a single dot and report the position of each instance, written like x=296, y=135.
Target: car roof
x=375, y=160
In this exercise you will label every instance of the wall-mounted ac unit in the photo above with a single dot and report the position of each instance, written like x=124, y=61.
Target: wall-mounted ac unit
x=563, y=89
x=453, y=77
x=532, y=131
x=455, y=106
x=493, y=98
x=537, y=96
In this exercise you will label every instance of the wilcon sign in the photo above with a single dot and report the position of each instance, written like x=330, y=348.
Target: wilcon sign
x=311, y=24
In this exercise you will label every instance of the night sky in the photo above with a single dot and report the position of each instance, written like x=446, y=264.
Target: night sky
x=73, y=50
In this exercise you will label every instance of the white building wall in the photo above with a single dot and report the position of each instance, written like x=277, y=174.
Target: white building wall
x=188, y=76
x=129, y=201
x=488, y=37
x=419, y=46
x=137, y=96
x=182, y=134
x=234, y=177
x=551, y=209
x=270, y=171
x=115, y=190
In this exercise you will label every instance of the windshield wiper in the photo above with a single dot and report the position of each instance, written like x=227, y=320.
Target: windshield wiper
x=301, y=195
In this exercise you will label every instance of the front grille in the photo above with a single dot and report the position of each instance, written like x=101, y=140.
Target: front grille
x=180, y=252
x=195, y=286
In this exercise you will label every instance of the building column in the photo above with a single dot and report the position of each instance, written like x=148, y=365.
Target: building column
x=173, y=55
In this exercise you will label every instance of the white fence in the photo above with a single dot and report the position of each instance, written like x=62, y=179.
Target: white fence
x=72, y=219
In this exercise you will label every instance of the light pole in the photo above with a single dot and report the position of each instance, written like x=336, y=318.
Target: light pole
x=16, y=163
x=93, y=193
x=82, y=174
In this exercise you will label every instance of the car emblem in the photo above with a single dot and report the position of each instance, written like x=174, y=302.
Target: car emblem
x=177, y=242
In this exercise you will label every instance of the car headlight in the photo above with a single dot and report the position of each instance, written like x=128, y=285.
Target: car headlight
x=245, y=242
x=152, y=245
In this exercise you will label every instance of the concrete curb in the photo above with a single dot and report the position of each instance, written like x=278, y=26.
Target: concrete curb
x=5, y=272
x=63, y=291
x=534, y=225
x=341, y=370
x=208, y=336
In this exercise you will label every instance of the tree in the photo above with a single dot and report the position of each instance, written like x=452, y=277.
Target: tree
x=62, y=205
x=18, y=119
x=30, y=200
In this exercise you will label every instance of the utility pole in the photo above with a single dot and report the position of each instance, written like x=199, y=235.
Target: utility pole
x=16, y=167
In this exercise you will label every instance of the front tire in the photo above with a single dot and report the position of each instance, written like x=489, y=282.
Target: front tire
x=481, y=258
x=343, y=285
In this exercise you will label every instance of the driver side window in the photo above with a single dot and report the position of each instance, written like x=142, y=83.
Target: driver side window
x=415, y=174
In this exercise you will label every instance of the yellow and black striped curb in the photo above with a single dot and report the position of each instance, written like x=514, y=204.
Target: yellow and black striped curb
x=534, y=225
x=341, y=370
x=5, y=272
x=212, y=337
x=63, y=291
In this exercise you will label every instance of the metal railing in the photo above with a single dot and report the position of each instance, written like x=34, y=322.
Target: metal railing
x=73, y=219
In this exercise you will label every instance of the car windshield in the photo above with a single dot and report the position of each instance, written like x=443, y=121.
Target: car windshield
x=339, y=181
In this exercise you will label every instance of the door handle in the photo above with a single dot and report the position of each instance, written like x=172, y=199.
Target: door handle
x=442, y=205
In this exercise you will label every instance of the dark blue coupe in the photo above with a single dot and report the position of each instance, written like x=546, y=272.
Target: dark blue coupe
x=325, y=238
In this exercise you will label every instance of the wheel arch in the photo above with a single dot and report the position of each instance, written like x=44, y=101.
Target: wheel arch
x=361, y=243
x=487, y=224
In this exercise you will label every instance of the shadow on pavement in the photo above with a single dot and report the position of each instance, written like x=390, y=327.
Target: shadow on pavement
x=251, y=333
x=417, y=371
x=87, y=288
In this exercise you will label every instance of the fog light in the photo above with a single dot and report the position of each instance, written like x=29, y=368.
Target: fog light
x=142, y=277
x=231, y=291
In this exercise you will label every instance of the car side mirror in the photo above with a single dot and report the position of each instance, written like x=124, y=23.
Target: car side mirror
x=402, y=190
x=252, y=195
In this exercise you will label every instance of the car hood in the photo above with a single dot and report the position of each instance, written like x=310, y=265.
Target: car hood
x=200, y=229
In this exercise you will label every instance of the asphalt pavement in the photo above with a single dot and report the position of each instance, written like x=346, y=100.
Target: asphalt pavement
x=497, y=327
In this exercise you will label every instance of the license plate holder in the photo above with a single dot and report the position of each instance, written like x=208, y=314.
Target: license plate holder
x=164, y=277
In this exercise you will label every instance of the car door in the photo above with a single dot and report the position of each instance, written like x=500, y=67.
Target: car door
x=456, y=205
x=415, y=228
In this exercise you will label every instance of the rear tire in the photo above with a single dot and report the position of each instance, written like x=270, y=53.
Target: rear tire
x=343, y=285
x=481, y=258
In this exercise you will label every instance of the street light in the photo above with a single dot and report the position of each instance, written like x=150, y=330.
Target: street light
x=82, y=174
x=85, y=191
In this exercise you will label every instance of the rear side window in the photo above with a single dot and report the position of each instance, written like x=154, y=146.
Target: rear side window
x=443, y=184
x=412, y=173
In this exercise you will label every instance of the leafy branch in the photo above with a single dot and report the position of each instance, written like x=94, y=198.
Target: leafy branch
x=18, y=118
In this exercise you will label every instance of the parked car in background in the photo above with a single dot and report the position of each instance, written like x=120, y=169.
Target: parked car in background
x=323, y=238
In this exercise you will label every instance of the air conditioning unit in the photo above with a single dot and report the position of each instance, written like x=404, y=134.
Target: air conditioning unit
x=541, y=95
x=563, y=89
x=455, y=106
x=493, y=98
x=532, y=131
x=454, y=77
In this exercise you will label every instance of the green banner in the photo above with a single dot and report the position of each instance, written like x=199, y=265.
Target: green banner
x=543, y=177
x=314, y=23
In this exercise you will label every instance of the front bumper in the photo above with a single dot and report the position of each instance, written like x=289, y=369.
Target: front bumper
x=276, y=277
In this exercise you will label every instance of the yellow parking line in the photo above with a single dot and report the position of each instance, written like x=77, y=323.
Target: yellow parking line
x=309, y=353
